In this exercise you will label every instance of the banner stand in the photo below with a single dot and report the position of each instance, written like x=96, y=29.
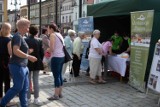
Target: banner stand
x=141, y=30
x=147, y=91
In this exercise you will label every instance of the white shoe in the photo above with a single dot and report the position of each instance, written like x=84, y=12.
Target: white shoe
x=29, y=101
x=37, y=102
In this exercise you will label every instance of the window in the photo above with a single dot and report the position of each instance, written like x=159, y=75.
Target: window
x=76, y=16
x=66, y=19
x=0, y=18
x=0, y=7
x=63, y=19
x=84, y=14
x=70, y=19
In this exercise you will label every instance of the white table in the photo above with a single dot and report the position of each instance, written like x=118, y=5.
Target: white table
x=117, y=64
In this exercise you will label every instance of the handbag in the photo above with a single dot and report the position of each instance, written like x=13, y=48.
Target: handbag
x=67, y=57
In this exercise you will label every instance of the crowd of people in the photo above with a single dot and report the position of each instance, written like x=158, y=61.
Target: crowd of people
x=25, y=54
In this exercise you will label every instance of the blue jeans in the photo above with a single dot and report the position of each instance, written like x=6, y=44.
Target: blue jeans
x=21, y=85
x=56, y=68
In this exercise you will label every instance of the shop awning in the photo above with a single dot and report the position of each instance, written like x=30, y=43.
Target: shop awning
x=122, y=7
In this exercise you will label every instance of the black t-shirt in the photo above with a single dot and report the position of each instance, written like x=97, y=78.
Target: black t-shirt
x=18, y=40
x=3, y=45
x=124, y=45
x=4, y=54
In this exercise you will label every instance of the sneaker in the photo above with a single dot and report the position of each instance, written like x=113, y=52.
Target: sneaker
x=37, y=102
x=10, y=104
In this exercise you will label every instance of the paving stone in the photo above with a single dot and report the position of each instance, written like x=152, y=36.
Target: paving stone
x=80, y=93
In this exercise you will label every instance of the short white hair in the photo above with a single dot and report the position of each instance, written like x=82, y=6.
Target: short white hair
x=22, y=22
x=96, y=32
x=70, y=31
x=80, y=34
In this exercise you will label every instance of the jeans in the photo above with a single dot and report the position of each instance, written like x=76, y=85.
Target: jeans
x=21, y=84
x=56, y=68
x=35, y=83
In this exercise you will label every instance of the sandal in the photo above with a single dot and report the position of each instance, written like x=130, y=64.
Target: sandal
x=53, y=98
x=92, y=82
x=102, y=82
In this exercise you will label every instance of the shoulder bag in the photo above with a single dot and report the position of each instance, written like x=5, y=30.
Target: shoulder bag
x=67, y=57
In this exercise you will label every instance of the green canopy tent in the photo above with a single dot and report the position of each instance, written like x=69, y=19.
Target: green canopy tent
x=120, y=10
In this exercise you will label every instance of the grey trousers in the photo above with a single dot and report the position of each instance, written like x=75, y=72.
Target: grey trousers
x=35, y=75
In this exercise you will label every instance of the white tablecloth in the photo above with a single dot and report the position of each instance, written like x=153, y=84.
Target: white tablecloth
x=117, y=64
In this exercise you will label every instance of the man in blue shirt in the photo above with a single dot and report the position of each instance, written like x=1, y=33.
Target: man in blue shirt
x=18, y=66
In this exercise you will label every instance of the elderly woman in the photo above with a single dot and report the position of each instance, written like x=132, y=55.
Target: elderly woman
x=57, y=59
x=77, y=53
x=18, y=65
x=95, y=56
x=45, y=46
x=69, y=47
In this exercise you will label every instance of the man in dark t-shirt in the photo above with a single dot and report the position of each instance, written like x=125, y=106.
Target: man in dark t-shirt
x=18, y=40
x=18, y=66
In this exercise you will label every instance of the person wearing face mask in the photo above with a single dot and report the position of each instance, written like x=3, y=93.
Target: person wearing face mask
x=125, y=47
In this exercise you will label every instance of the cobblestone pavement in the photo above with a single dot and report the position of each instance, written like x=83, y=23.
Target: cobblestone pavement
x=79, y=92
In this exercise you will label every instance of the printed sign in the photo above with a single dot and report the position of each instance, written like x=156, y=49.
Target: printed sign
x=154, y=77
x=86, y=24
x=141, y=29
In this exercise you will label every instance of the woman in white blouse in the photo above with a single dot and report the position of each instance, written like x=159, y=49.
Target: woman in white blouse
x=95, y=56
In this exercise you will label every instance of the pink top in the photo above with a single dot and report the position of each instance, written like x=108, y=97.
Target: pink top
x=105, y=47
x=58, y=47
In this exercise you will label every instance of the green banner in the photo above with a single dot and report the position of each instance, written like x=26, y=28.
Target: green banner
x=141, y=29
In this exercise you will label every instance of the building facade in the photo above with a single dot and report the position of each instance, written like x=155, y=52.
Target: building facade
x=34, y=13
x=76, y=4
x=2, y=11
x=100, y=1
x=47, y=12
x=33, y=1
x=66, y=15
x=24, y=11
x=13, y=16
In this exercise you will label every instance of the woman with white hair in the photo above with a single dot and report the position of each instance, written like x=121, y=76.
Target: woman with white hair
x=77, y=53
x=95, y=56
x=69, y=47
